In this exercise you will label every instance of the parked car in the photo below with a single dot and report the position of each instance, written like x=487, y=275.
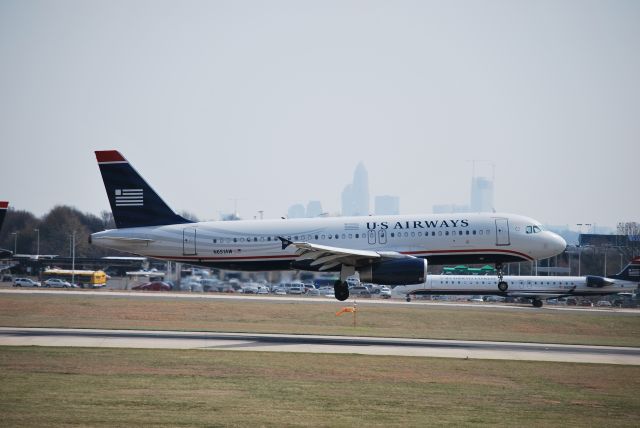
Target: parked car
x=57, y=283
x=25, y=282
x=153, y=286
x=385, y=292
x=296, y=289
x=475, y=299
x=604, y=303
x=360, y=290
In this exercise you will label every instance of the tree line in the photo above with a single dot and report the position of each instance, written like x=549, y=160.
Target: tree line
x=55, y=229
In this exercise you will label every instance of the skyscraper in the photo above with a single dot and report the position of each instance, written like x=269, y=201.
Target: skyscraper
x=314, y=209
x=355, y=196
x=481, y=195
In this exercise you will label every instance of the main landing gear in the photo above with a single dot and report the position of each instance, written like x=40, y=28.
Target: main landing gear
x=502, y=285
x=341, y=290
x=340, y=287
x=537, y=303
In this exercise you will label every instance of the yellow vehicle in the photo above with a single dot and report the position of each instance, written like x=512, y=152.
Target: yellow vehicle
x=84, y=278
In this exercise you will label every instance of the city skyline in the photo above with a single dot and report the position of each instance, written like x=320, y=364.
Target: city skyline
x=261, y=103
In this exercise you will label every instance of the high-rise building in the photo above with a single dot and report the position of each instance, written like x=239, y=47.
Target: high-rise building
x=314, y=209
x=355, y=196
x=481, y=195
x=387, y=205
x=296, y=211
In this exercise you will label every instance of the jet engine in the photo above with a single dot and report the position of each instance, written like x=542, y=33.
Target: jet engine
x=395, y=272
x=598, y=281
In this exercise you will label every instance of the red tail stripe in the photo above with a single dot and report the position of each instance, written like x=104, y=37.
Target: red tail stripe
x=109, y=156
x=4, y=205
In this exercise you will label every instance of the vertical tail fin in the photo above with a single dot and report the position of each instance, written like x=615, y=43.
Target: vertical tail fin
x=631, y=272
x=133, y=202
x=4, y=206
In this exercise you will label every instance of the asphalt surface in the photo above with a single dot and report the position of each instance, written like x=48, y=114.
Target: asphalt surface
x=10, y=336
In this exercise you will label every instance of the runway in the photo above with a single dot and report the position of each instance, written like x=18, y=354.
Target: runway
x=10, y=336
x=305, y=299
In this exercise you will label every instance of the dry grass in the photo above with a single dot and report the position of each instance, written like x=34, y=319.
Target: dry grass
x=438, y=322
x=120, y=387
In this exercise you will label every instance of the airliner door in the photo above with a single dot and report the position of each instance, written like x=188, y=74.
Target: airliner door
x=382, y=236
x=189, y=241
x=502, y=231
x=372, y=237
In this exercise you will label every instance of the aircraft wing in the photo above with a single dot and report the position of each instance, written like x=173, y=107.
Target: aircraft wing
x=537, y=295
x=325, y=257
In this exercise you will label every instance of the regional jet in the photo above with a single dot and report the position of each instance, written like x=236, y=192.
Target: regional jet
x=534, y=288
x=388, y=250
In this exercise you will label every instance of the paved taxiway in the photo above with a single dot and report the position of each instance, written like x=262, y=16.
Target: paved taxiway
x=10, y=336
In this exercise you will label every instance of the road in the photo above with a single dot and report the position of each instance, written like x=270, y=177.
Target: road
x=10, y=336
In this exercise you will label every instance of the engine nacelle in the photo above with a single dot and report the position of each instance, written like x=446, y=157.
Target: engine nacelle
x=598, y=281
x=395, y=272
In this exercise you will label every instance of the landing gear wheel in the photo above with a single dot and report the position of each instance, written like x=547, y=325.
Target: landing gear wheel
x=408, y=298
x=502, y=286
x=537, y=303
x=341, y=290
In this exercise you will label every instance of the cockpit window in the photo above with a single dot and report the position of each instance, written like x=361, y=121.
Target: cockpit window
x=534, y=229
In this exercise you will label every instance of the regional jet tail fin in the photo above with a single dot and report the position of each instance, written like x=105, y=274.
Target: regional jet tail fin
x=133, y=202
x=4, y=206
x=631, y=272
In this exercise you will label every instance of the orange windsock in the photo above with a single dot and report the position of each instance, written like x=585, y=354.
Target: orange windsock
x=343, y=310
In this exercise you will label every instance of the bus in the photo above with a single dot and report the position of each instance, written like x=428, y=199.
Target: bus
x=84, y=278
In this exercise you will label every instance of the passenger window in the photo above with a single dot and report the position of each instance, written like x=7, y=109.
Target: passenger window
x=467, y=232
x=235, y=239
x=433, y=234
x=323, y=236
x=215, y=240
x=393, y=235
x=446, y=233
x=343, y=236
x=336, y=236
x=316, y=237
x=439, y=233
x=480, y=232
x=460, y=233
x=357, y=236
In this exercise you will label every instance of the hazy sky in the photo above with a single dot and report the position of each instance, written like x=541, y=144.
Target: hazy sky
x=276, y=102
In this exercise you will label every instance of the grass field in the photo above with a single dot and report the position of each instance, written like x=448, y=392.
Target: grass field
x=124, y=387
x=413, y=321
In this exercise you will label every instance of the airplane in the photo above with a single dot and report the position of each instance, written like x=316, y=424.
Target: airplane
x=388, y=250
x=534, y=288
x=4, y=206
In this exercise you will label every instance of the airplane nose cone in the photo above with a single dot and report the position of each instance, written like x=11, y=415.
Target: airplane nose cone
x=555, y=244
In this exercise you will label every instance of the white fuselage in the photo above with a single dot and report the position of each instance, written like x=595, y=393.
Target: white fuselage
x=518, y=285
x=256, y=244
